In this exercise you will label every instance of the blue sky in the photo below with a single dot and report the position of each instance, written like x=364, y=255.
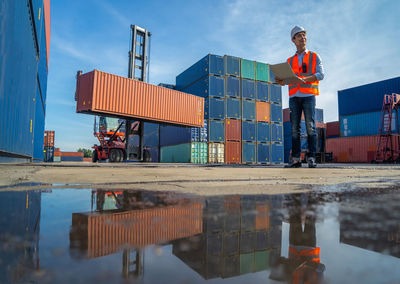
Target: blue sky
x=358, y=41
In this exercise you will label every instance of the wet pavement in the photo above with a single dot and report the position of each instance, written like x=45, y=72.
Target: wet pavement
x=130, y=236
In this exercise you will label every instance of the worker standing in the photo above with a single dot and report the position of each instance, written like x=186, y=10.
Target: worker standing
x=308, y=67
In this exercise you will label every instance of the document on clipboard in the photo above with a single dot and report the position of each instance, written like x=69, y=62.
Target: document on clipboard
x=284, y=72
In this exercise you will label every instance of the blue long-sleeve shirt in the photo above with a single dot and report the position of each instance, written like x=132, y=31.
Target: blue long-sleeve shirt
x=319, y=73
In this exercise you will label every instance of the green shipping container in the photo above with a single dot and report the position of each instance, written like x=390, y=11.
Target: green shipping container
x=246, y=263
x=262, y=72
x=248, y=69
x=261, y=260
x=196, y=152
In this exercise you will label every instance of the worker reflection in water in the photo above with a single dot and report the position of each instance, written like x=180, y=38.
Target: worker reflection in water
x=303, y=264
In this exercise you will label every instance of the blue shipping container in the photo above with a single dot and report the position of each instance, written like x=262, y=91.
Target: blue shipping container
x=172, y=135
x=366, y=98
x=38, y=18
x=48, y=154
x=154, y=154
x=276, y=132
x=248, y=152
x=249, y=131
x=287, y=129
x=209, y=86
x=214, y=108
x=363, y=124
x=319, y=115
x=232, y=65
x=276, y=113
x=18, y=85
x=248, y=89
x=271, y=76
x=277, y=153
x=42, y=67
x=263, y=132
x=208, y=65
x=263, y=154
x=233, y=109
x=262, y=92
x=200, y=134
x=216, y=131
x=232, y=87
x=275, y=93
x=151, y=139
x=38, y=131
x=71, y=159
x=248, y=110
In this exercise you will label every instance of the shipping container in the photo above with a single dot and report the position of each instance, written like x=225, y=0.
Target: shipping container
x=232, y=87
x=366, y=98
x=319, y=115
x=263, y=110
x=276, y=132
x=168, y=86
x=71, y=154
x=48, y=154
x=208, y=65
x=333, y=129
x=275, y=93
x=233, y=130
x=276, y=113
x=214, y=108
x=104, y=234
x=47, y=18
x=287, y=129
x=209, y=86
x=364, y=124
x=71, y=159
x=248, y=69
x=56, y=158
x=360, y=149
x=151, y=139
x=233, y=152
x=153, y=154
x=18, y=85
x=181, y=153
x=37, y=17
x=42, y=66
x=249, y=131
x=38, y=129
x=233, y=108
x=271, y=76
x=248, y=110
x=262, y=92
x=232, y=65
x=49, y=137
x=263, y=155
x=172, y=135
x=248, y=152
x=263, y=132
x=248, y=89
x=277, y=153
x=216, y=131
x=216, y=153
x=103, y=93
x=262, y=72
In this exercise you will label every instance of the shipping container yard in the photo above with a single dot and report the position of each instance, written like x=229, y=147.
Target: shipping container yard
x=150, y=143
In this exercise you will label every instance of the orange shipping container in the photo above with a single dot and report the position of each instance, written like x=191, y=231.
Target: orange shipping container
x=332, y=129
x=262, y=217
x=71, y=154
x=233, y=152
x=49, y=138
x=233, y=130
x=101, y=234
x=360, y=149
x=263, y=111
x=103, y=93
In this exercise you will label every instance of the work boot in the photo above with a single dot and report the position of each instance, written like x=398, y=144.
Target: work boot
x=295, y=163
x=311, y=162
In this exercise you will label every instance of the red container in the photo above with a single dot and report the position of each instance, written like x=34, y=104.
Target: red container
x=333, y=129
x=262, y=217
x=49, y=138
x=263, y=111
x=359, y=149
x=233, y=130
x=107, y=233
x=233, y=152
x=46, y=11
x=103, y=93
x=71, y=154
x=320, y=125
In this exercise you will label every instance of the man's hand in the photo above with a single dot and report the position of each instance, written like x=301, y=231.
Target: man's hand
x=279, y=81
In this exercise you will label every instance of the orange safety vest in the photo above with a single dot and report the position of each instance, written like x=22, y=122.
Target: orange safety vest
x=310, y=60
x=304, y=273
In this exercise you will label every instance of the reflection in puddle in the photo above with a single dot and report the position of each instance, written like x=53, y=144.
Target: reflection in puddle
x=130, y=236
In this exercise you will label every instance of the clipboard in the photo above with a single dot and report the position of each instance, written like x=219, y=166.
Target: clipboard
x=284, y=72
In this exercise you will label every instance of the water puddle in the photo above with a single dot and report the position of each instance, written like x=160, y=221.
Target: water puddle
x=129, y=236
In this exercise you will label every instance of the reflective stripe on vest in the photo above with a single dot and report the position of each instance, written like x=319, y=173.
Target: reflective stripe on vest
x=305, y=254
x=310, y=59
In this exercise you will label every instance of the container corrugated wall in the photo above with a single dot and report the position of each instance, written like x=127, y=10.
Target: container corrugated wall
x=107, y=233
x=333, y=129
x=47, y=19
x=99, y=92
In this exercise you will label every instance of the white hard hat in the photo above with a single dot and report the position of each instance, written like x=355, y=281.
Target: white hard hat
x=296, y=30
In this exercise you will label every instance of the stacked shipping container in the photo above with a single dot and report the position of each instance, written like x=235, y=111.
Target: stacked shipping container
x=354, y=137
x=23, y=87
x=48, y=151
x=242, y=111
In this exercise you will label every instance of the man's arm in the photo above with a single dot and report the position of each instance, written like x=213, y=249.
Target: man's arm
x=319, y=72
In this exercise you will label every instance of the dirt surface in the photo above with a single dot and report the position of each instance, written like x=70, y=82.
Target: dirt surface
x=198, y=179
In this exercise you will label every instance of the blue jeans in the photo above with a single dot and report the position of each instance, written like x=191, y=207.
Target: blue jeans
x=297, y=106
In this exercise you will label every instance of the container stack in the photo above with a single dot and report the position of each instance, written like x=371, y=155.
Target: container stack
x=48, y=149
x=67, y=156
x=151, y=141
x=360, y=111
x=321, y=135
x=243, y=110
